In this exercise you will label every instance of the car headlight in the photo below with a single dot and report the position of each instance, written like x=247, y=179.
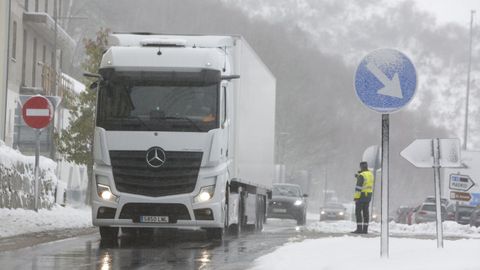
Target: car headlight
x=341, y=213
x=205, y=194
x=322, y=213
x=105, y=193
x=374, y=216
x=298, y=202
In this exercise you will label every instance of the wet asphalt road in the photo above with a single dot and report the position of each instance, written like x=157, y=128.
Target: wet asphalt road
x=166, y=249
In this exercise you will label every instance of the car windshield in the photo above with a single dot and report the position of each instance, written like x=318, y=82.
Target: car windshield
x=431, y=208
x=288, y=191
x=159, y=102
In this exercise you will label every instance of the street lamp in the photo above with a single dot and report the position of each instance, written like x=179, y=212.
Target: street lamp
x=465, y=131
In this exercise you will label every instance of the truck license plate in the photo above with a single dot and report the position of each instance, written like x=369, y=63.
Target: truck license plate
x=279, y=210
x=153, y=219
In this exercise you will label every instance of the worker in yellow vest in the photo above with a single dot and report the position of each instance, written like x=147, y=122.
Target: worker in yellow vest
x=362, y=197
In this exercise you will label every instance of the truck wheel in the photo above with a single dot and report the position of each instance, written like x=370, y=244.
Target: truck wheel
x=235, y=229
x=302, y=220
x=109, y=234
x=132, y=232
x=214, y=233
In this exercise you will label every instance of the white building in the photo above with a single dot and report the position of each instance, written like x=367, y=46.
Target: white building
x=32, y=65
x=35, y=65
x=4, y=15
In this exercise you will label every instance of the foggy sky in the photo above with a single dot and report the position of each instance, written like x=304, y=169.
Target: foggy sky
x=313, y=47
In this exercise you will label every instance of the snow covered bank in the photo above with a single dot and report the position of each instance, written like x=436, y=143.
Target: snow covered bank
x=349, y=252
x=450, y=228
x=17, y=179
x=21, y=221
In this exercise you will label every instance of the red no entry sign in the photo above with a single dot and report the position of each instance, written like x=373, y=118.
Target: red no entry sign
x=37, y=112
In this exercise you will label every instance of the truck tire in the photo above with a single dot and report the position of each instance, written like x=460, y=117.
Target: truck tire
x=109, y=234
x=236, y=229
x=132, y=232
x=260, y=213
x=214, y=233
x=302, y=220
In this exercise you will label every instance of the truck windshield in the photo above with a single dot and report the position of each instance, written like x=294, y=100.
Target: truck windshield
x=159, y=102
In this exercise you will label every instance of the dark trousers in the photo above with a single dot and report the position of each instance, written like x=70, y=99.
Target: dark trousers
x=361, y=212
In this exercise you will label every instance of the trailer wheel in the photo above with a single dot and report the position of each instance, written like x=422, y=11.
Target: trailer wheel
x=260, y=218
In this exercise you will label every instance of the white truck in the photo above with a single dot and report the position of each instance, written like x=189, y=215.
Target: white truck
x=184, y=135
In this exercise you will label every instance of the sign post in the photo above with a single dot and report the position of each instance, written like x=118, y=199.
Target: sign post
x=37, y=113
x=385, y=81
x=434, y=153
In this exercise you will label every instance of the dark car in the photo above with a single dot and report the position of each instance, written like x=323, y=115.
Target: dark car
x=475, y=217
x=332, y=211
x=463, y=213
x=288, y=202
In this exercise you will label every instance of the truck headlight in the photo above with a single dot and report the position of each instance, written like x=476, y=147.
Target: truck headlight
x=298, y=202
x=205, y=194
x=105, y=193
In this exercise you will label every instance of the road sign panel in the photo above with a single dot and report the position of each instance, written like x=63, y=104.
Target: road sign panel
x=475, y=199
x=37, y=112
x=461, y=182
x=385, y=80
x=420, y=153
x=460, y=196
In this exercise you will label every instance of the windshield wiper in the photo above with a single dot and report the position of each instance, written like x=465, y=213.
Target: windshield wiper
x=139, y=120
x=183, y=118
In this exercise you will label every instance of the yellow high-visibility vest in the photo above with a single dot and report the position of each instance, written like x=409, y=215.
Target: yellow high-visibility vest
x=367, y=186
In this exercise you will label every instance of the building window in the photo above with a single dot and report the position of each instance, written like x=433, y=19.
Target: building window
x=14, y=40
x=26, y=5
x=44, y=54
x=24, y=56
x=36, y=5
x=34, y=67
x=46, y=6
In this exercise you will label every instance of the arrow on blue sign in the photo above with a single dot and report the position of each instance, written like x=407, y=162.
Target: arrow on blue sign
x=385, y=80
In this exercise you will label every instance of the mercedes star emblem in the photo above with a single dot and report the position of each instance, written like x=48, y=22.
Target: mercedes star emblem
x=155, y=157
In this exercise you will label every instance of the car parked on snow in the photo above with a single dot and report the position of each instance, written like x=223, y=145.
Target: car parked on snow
x=332, y=211
x=288, y=202
x=401, y=215
x=464, y=213
x=475, y=217
x=427, y=213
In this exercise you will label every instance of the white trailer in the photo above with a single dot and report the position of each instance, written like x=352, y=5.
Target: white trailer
x=184, y=135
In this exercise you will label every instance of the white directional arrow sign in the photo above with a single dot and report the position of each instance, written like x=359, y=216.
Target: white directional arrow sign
x=461, y=182
x=390, y=87
x=420, y=153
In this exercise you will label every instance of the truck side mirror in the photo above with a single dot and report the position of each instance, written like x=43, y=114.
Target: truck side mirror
x=95, y=84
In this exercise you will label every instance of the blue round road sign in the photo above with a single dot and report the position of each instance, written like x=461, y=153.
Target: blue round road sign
x=385, y=80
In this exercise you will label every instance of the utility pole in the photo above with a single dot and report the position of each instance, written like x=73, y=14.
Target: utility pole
x=465, y=132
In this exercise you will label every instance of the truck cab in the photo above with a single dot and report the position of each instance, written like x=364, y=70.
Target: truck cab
x=166, y=146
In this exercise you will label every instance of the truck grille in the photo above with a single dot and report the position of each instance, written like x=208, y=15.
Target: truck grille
x=174, y=211
x=178, y=174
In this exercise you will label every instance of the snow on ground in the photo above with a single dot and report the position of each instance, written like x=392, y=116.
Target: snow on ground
x=450, y=228
x=355, y=252
x=21, y=221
